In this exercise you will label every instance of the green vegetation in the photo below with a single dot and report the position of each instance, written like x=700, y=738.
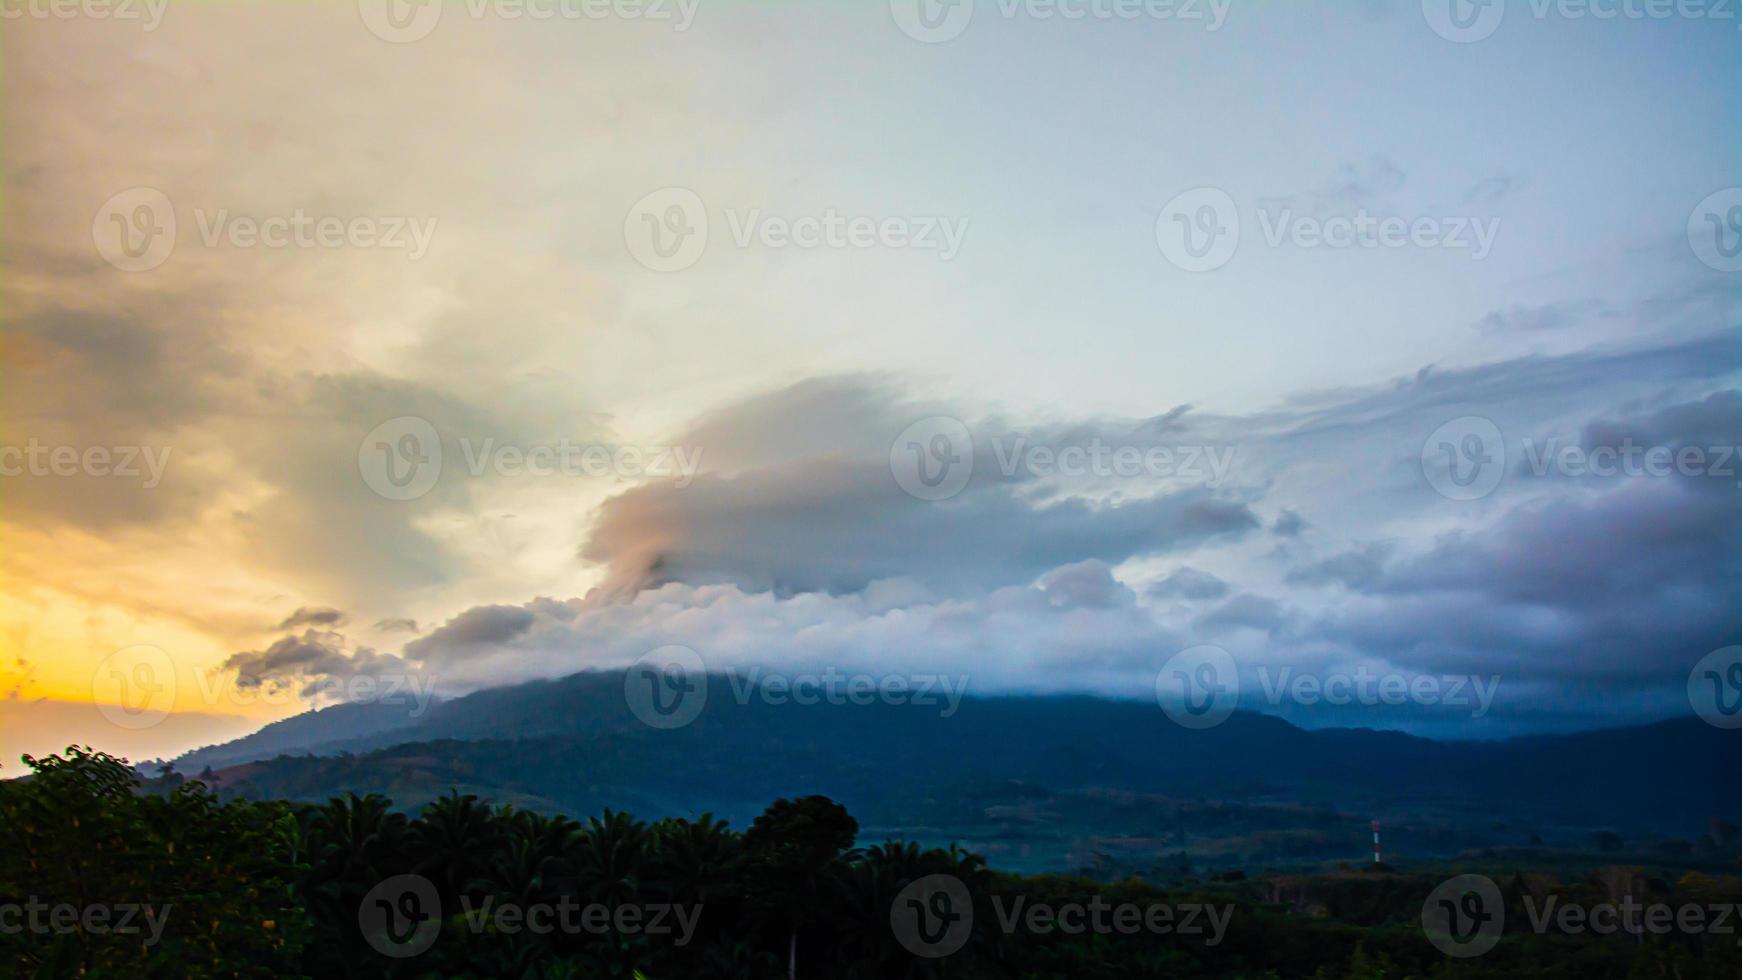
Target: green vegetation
x=245, y=888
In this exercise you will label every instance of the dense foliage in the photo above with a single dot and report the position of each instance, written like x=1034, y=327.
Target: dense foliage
x=267, y=889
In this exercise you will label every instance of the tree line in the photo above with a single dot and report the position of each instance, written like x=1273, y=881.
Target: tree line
x=105, y=874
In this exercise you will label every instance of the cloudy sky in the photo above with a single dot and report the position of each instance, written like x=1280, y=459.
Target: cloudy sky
x=485, y=341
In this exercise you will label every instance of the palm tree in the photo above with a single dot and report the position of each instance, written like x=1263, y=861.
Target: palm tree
x=792, y=848
x=453, y=839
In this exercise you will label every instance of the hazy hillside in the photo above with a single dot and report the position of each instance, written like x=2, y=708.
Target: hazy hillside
x=1051, y=780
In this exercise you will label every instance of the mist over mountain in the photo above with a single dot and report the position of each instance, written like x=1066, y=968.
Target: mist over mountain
x=1037, y=781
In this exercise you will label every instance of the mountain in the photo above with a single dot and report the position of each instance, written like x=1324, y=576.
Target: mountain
x=327, y=731
x=1042, y=781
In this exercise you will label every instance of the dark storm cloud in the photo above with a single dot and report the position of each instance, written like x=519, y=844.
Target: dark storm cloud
x=1638, y=582
x=837, y=526
x=309, y=663
x=476, y=628
x=1589, y=598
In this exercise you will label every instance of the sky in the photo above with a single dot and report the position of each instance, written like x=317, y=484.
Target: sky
x=1031, y=343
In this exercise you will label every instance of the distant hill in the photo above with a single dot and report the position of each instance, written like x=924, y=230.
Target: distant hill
x=1047, y=781
x=330, y=730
